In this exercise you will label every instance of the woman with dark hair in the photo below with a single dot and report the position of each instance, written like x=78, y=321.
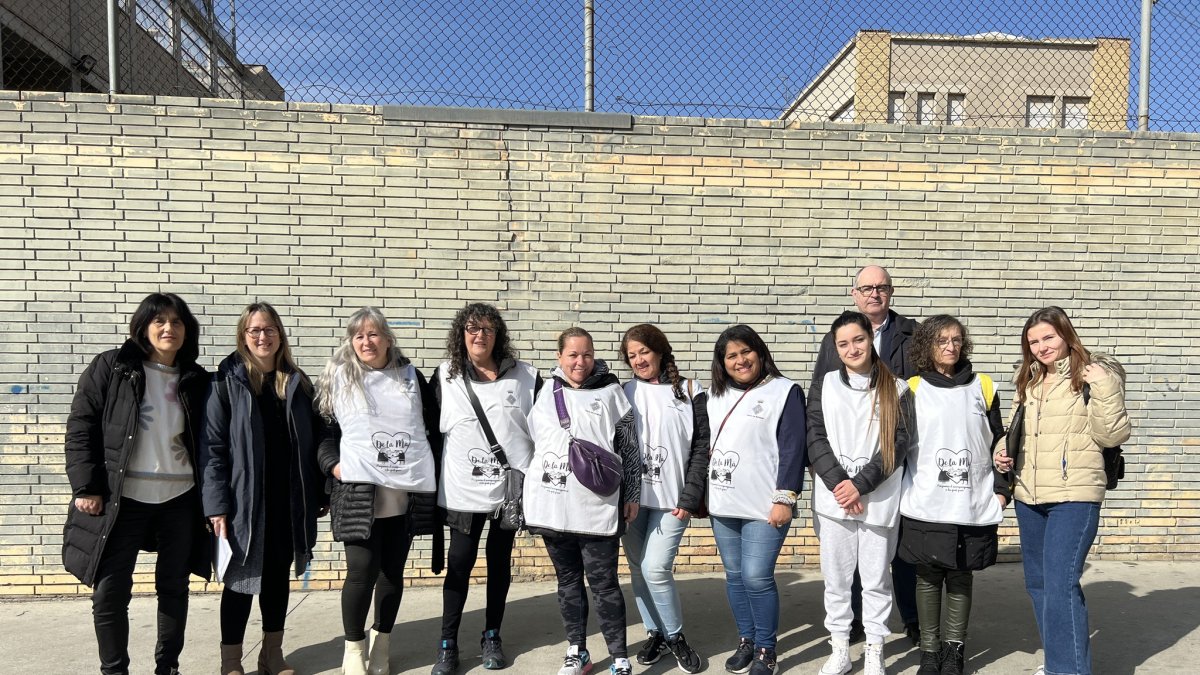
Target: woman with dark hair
x=260, y=481
x=481, y=373
x=756, y=470
x=952, y=499
x=669, y=411
x=1073, y=405
x=581, y=516
x=381, y=453
x=131, y=444
x=859, y=417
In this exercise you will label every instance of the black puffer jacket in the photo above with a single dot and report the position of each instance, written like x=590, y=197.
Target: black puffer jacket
x=352, y=505
x=100, y=439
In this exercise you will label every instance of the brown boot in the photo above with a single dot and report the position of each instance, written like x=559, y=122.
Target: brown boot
x=270, y=657
x=231, y=660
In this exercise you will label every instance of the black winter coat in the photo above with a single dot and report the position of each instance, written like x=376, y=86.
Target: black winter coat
x=100, y=439
x=232, y=453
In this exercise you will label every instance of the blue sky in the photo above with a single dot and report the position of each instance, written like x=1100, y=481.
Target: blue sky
x=730, y=58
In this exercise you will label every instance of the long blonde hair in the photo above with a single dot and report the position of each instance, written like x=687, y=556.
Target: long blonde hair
x=285, y=365
x=345, y=360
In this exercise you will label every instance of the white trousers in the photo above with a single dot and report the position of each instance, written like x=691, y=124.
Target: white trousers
x=850, y=544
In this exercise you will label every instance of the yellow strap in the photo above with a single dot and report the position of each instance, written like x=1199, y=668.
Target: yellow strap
x=912, y=383
x=989, y=389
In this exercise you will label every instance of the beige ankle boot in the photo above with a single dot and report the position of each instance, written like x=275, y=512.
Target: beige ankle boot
x=355, y=660
x=379, y=663
x=231, y=660
x=270, y=657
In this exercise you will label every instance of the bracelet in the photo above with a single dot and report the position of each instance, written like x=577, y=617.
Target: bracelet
x=785, y=497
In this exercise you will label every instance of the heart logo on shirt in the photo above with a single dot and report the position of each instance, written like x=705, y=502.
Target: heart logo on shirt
x=723, y=465
x=555, y=470
x=652, y=461
x=390, y=448
x=852, y=466
x=483, y=463
x=954, y=466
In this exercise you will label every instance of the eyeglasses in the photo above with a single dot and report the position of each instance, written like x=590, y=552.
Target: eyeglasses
x=942, y=343
x=476, y=330
x=884, y=289
x=256, y=332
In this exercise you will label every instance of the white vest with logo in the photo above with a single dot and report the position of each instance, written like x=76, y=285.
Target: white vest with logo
x=472, y=479
x=553, y=498
x=853, y=430
x=949, y=476
x=743, y=470
x=383, y=437
x=665, y=427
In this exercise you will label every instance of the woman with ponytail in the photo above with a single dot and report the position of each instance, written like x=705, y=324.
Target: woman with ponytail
x=669, y=411
x=859, y=417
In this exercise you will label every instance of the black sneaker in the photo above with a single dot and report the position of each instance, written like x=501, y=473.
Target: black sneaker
x=764, y=662
x=953, y=658
x=912, y=629
x=740, y=661
x=687, y=658
x=857, y=633
x=653, y=649
x=447, y=659
x=493, y=655
x=931, y=663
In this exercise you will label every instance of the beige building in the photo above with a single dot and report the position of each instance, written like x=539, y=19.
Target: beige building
x=168, y=47
x=987, y=80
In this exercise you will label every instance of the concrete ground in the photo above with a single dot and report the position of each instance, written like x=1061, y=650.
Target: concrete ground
x=1145, y=618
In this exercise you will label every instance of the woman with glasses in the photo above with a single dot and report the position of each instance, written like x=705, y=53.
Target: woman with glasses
x=382, y=452
x=131, y=443
x=261, y=486
x=952, y=499
x=481, y=373
x=1073, y=405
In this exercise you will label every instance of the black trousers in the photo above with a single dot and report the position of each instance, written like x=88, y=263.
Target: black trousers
x=375, y=566
x=170, y=526
x=577, y=556
x=464, y=549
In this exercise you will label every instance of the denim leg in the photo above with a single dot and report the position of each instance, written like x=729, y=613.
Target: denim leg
x=1031, y=522
x=1070, y=531
x=634, y=543
x=728, y=533
x=661, y=545
x=761, y=543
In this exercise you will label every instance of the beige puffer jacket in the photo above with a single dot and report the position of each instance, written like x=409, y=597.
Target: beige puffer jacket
x=1060, y=460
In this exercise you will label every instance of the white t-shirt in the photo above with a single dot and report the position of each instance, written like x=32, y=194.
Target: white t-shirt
x=160, y=468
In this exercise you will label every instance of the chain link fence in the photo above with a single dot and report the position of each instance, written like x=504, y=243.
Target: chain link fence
x=1039, y=63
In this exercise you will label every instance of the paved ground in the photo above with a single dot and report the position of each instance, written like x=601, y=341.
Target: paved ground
x=1145, y=619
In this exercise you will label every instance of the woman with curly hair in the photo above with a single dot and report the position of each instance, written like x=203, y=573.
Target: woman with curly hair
x=480, y=373
x=672, y=423
x=1073, y=404
x=952, y=499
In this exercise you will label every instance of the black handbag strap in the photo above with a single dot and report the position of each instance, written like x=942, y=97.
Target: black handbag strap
x=497, y=451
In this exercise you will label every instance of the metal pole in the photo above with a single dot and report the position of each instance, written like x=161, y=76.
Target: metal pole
x=112, y=45
x=589, y=56
x=1143, y=120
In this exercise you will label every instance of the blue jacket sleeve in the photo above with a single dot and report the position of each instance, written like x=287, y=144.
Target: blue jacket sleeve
x=793, y=441
x=215, y=462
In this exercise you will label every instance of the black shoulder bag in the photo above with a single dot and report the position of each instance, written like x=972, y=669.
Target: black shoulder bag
x=511, y=513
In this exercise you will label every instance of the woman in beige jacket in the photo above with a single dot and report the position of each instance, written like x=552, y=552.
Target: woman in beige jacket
x=1074, y=405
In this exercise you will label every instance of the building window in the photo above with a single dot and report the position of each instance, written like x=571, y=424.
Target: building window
x=896, y=108
x=956, y=109
x=926, y=109
x=846, y=114
x=1075, y=113
x=1039, y=112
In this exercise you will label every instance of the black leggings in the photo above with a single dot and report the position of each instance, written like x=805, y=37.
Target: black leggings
x=576, y=556
x=464, y=549
x=375, y=566
x=272, y=603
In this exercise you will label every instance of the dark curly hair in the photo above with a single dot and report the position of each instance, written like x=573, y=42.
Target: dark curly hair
x=456, y=344
x=924, y=341
x=657, y=342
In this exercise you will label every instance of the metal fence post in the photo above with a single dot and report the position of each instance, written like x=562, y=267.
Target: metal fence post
x=589, y=56
x=1143, y=119
x=111, y=11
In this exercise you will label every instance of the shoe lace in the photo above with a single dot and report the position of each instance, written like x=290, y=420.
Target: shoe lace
x=573, y=660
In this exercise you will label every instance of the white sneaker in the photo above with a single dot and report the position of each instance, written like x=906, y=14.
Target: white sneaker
x=839, y=660
x=873, y=660
x=576, y=662
x=1040, y=671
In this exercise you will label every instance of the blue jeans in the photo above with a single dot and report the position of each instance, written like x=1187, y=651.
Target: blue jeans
x=1055, y=539
x=651, y=542
x=749, y=549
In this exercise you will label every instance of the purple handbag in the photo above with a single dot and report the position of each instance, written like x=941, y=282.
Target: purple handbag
x=594, y=467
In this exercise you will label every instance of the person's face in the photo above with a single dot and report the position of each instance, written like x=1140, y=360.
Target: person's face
x=1046, y=344
x=480, y=338
x=854, y=348
x=645, y=362
x=165, y=334
x=947, y=348
x=262, y=338
x=371, y=346
x=577, y=359
x=872, y=293
x=742, y=363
